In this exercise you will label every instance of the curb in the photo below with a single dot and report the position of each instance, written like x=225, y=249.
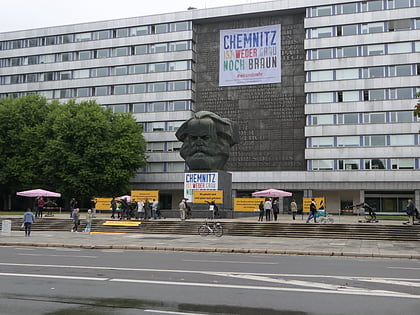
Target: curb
x=218, y=250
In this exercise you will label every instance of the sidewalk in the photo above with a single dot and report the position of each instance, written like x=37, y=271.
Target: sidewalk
x=227, y=244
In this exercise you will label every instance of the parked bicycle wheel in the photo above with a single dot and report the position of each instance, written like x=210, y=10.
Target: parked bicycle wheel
x=218, y=230
x=203, y=230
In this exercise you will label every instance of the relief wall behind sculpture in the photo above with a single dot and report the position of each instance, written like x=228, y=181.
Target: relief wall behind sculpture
x=270, y=116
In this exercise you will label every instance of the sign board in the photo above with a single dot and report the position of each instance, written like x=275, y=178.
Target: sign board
x=250, y=56
x=103, y=204
x=202, y=196
x=137, y=195
x=247, y=204
x=320, y=203
x=199, y=181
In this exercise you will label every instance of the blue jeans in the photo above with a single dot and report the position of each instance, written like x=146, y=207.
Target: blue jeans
x=311, y=216
x=154, y=214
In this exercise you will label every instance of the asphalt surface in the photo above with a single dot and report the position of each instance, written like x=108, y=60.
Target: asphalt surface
x=234, y=244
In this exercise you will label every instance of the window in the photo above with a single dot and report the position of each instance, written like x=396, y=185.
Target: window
x=139, y=108
x=345, y=30
x=417, y=46
x=375, y=164
x=180, y=26
x=140, y=50
x=157, y=87
x=120, y=108
x=65, y=93
x=159, y=28
x=83, y=92
x=80, y=74
x=121, y=51
x=99, y=72
x=178, y=85
x=322, y=119
x=175, y=166
x=82, y=37
x=406, y=116
x=47, y=58
x=66, y=56
x=375, y=5
x=122, y=70
x=401, y=93
x=370, y=28
x=159, y=48
x=350, y=96
x=139, y=30
x=346, y=119
x=46, y=94
x=137, y=88
x=178, y=105
x=51, y=40
x=397, y=71
x=30, y=60
x=178, y=65
x=103, y=53
x=348, y=164
x=401, y=140
x=83, y=55
x=101, y=35
x=174, y=125
x=178, y=46
x=348, y=141
x=345, y=52
x=155, y=147
x=321, y=75
x=66, y=39
x=46, y=76
x=120, y=89
x=325, y=53
x=319, y=165
x=417, y=24
x=401, y=164
x=322, y=32
x=157, y=67
x=399, y=25
x=174, y=146
x=398, y=48
x=373, y=50
x=15, y=44
x=347, y=74
x=136, y=69
x=122, y=32
x=374, y=118
x=375, y=141
x=32, y=42
x=64, y=75
x=31, y=77
x=157, y=107
x=322, y=142
x=327, y=97
x=346, y=8
x=397, y=4
x=321, y=11
x=374, y=72
x=376, y=95
x=101, y=91
x=157, y=126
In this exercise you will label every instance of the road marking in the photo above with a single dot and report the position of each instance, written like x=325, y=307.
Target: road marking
x=30, y=275
x=231, y=262
x=169, y=312
x=43, y=255
x=404, y=268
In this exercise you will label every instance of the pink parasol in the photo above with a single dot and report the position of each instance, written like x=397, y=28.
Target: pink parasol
x=126, y=197
x=272, y=193
x=38, y=192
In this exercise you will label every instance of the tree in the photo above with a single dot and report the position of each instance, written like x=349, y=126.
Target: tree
x=78, y=149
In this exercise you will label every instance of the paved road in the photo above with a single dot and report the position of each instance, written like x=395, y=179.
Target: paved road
x=74, y=281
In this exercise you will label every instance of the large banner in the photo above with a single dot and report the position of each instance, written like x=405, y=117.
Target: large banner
x=247, y=204
x=137, y=195
x=199, y=181
x=250, y=56
x=205, y=196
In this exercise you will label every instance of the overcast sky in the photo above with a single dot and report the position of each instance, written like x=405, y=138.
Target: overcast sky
x=26, y=14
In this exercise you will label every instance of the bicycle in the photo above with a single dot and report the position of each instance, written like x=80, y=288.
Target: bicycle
x=213, y=228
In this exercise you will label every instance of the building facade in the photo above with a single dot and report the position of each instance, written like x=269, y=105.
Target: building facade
x=335, y=118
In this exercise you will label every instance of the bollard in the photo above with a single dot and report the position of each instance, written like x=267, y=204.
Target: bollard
x=6, y=227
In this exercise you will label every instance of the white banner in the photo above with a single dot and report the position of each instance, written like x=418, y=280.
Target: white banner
x=199, y=181
x=250, y=56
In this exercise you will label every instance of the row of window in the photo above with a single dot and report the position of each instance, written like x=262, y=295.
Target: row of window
x=362, y=95
x=365, y=28
x=156, y=126
x=362, y=6
x=165, y=167
x=97, y=35
x=97, y=72
x=163, y=146
x=363, y=51
x=361, y=118
x=97, y=54
x=363, y=164
x=363, y=141
x=178, y=105
x=152, y=87
x=363, y=73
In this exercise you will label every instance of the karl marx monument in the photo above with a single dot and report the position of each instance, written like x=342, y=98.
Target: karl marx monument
x=207, y=139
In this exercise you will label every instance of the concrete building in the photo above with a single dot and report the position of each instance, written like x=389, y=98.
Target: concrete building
x=323, y=91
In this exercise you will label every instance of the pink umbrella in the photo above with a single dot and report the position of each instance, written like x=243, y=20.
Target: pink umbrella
x=126, y=197
x=272, y=193
x=38, y=192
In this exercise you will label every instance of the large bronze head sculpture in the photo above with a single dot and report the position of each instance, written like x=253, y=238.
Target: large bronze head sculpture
x=207, y=139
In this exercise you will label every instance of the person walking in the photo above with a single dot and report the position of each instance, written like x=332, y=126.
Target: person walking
x=312, y=211
x=261, y=207
x=182, y=208
x=28, y=220
x=268, y=206
x=275, y=210
x=76, y=220
x=113, y=207
x=410, y=211
x=93, y=206
x=293, y=208
x=89, y=217
x=73, y=205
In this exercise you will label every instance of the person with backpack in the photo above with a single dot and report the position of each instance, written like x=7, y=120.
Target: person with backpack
x=312, y=211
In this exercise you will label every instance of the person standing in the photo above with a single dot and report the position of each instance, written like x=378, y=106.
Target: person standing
x=182, y=208
x=89, y=217
x=312, y=211
x=268, y=206
x=76, y=220
x=28, y=220
x=293, y=208
x=113, y=207
x=261, y=207
x=93, y=206
x=155, y=205
x=410, y=211
x=140, y=209
x=147, y=209
x=40, y=207
x=275, y=209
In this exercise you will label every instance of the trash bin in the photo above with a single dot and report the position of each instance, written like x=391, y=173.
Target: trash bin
x=6, y=227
